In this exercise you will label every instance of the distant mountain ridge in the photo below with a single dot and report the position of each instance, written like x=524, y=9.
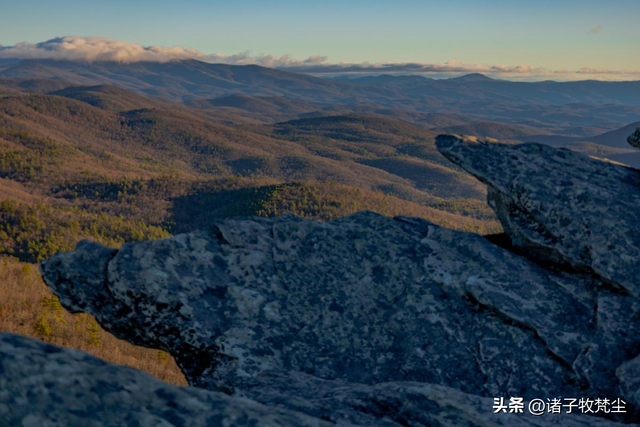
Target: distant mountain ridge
x=195, y=79
x=552, y=107
x=179, y=80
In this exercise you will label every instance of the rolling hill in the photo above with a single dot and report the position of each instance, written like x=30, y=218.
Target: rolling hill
x=259, y=105
x=108, y=97
x=182, y=80
x=258, y=109
x=117, y=166
x=501, y=131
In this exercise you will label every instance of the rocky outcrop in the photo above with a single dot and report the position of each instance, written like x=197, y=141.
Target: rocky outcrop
x=369, y=320
x=634, y=139
x=561, y=206
x=365, y=299
x=44, y=385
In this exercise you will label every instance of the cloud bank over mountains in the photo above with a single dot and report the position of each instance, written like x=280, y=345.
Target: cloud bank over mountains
x=96, y=49
x=93, y=49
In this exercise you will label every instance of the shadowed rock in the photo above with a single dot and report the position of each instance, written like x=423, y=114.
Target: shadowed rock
x=634, y=139
x=398, y=404
x=44, y=385
x=257, y=306
x=561, y=206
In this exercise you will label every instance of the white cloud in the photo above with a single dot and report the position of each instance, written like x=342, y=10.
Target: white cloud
x=93, y=49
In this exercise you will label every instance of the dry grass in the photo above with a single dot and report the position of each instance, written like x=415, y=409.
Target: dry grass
x=27, y=307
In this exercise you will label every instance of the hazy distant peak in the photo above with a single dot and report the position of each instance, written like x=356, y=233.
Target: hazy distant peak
x=473, y=77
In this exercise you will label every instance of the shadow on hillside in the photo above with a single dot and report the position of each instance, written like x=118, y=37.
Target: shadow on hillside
x=201, y=208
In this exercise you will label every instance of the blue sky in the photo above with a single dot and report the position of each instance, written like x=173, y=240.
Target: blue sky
x=554, y=35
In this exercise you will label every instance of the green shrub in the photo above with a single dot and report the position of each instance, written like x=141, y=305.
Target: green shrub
x=42, y=327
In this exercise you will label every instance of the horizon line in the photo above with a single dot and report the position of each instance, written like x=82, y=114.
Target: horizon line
x=429, y=75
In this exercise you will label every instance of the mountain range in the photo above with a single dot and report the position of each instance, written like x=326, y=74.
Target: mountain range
x=585, y=115
x=199, y=121
x=557, y=107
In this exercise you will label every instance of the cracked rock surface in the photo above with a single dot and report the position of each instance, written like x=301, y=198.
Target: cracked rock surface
x=369, y=320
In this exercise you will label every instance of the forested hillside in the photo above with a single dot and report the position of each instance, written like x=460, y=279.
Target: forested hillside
x=108, y=165
x=81, y=163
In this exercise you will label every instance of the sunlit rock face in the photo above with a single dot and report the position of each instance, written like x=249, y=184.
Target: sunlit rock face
x=369, y=320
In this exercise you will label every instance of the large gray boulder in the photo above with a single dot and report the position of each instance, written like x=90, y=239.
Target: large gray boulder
x=262, y=307
x=46, y=386
x=560, y=206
